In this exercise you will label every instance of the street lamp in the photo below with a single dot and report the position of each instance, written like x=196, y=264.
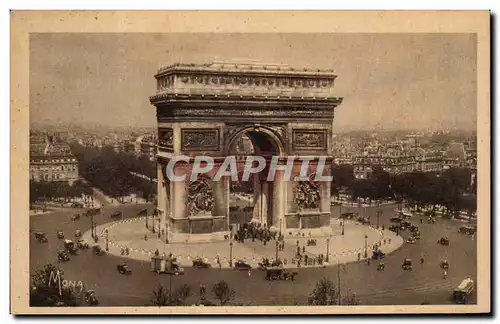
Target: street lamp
x=379, y=212
x=327, y=249
x=107, y=241
x=277, y=245
x=366, y=246
x=343, y=226
x=230, y=254
x=92, y=226
x=146, y=220
x=153, y=226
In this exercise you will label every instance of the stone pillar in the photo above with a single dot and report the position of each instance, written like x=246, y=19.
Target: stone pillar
x=279, y=200
x=261, y=188
x=179, y=198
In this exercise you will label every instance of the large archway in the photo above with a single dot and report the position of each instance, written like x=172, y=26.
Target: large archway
x=207, y=109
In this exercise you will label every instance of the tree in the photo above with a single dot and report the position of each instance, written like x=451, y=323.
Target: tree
x=161, y=296
x=182, y=294
x=325, y=293
x=46, y=289
x=343, y=175
x=222, y=292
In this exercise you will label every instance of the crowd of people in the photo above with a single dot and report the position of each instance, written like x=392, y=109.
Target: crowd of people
x=256, y=231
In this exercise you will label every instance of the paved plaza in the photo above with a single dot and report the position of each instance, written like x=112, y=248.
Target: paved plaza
x=345, y=248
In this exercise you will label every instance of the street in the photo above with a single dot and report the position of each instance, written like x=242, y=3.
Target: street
x=393, y=286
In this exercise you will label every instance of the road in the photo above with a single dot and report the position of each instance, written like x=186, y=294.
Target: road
x=393, y=286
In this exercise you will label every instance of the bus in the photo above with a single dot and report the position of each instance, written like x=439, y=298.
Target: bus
x=463, y=291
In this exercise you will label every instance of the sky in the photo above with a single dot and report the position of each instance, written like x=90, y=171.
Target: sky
x=388, y=81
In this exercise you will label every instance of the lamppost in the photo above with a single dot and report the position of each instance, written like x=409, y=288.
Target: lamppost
x=366, y=246
x=153, y=226
x=107, y=241
x=281, y=221
x=146, y=220
x=277, y=245
x=230, y=254
x=343, y=226
x=327, y=250
x=379, y=212
x=92, y=225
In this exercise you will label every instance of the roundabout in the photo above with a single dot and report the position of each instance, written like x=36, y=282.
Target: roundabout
x=393, y=286
x=356, y=244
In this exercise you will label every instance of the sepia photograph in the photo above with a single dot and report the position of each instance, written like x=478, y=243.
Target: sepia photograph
x=210, y=162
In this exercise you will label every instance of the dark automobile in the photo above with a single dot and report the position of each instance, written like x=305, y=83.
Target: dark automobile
x=60, y=234
x=41, y=237
x=413, y=228
x=377, y=255
x=70, y=247
x=77, y=205
x=62, y=256
x=90, y=298
x=396, y=219
x=123, y=268
x=142, y=212
x=407, y=264
x=469, y=230
x=381, y=266
x=278, y=273
x=444, y=264
x=78, y=233
x=98, y=250
x=116, y=214
x=363, y=220
x=75, y=217
x=200, y=263
x=444, y=241
x=81, y=244
x=241, y=265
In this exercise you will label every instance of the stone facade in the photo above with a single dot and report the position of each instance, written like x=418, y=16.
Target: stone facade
x=205, y=109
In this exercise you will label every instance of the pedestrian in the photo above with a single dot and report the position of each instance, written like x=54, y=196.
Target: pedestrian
x=303, y=249
x=127, y=251
x=249, y=273
x=145, y=237
x=122, y=251
x=445, y=274
x=389, y=240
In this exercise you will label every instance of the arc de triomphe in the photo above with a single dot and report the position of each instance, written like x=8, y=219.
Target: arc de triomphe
x=204, y=109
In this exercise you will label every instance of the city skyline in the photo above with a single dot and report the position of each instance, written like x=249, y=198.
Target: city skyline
x=389, y=82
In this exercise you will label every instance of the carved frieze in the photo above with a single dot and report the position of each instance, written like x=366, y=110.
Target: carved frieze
x=307, y=194
x=200, y=139
x=166, y=139
x=309, y=139
x=200, y=198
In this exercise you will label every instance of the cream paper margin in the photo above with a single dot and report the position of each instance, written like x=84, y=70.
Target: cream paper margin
x=25, y=22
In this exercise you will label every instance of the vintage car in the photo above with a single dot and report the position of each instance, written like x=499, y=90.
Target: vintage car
x=444, y=264
x=81, y=244
x=62, y=256
x=411, y=240
x=60, y=234
x=278, y=273
x=394, y=228
x=142, y=212
x=123, y=268
x=416, y=235
x=431, y=220
x=395, y=219
x=444, y=241
x=378, y=254
x=171, y=268
x=90, y=298
x=413, y=228
x=41, y=237
x=116, y=214
x=241, y=265
x=70, y=247
x=402, y=227
x=469, y=230
x=98, y=250
x=78, y=233
x=364, y=220
x=200, y=263
x=381, y=266
x=350, y=215
x=407, y=264
x=75, y=217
